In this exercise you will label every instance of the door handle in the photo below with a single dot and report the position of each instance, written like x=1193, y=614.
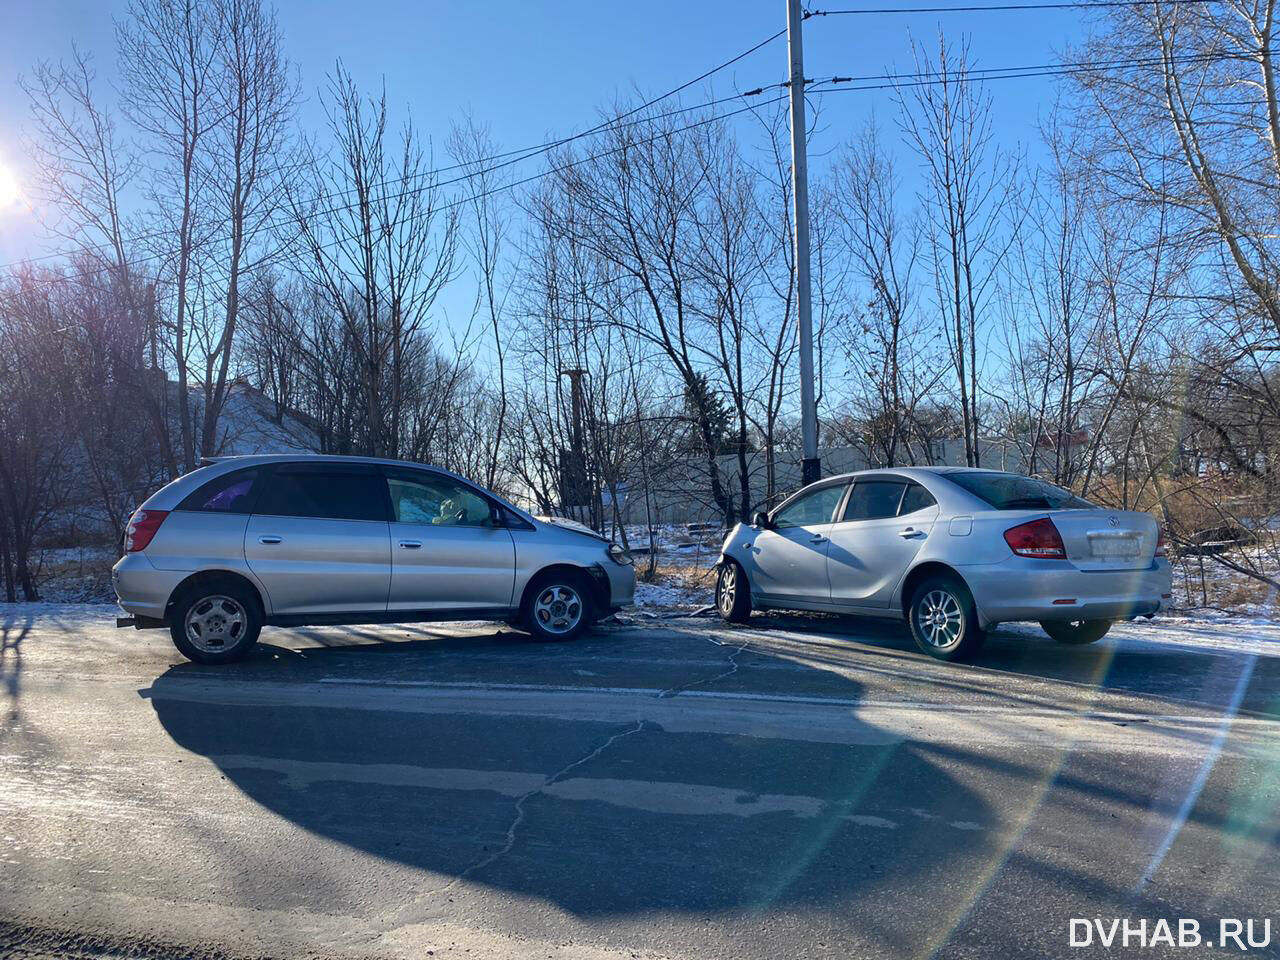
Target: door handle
x=410, y=544
x=910, y=532
x=269, y=539
x=818, y=539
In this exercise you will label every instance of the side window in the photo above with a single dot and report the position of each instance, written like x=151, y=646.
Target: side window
x=230, y=493
x=917, y=498
x=812, y=508
x=324, y=493
x=874, y=499
x=437, y=500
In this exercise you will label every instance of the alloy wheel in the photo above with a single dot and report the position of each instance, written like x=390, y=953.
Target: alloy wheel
x=215, y=623
x=940, y=618
x=558, y=609
x=728, y=588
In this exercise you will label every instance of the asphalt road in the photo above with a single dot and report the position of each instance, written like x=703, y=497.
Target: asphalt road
x=802, y=787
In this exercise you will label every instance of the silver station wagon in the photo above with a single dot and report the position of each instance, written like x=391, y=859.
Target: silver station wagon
x=953, y=551
x=291, y=540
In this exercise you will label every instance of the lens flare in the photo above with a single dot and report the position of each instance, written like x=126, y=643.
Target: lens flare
x=10, y=194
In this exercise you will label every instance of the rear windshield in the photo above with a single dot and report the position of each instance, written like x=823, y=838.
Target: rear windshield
x=1008, y=491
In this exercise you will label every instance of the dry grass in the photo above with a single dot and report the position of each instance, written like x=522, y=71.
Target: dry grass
x=690, y=575
x=1203, y=583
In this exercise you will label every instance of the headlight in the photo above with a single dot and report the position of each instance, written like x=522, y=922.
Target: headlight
x=619, y=554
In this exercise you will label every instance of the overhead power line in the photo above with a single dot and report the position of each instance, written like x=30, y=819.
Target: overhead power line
x=273, y=223
x=925, y=77
x=475, y=167
x=978, y=8
x=929, y=78
x=816, y=87
x=272, y=257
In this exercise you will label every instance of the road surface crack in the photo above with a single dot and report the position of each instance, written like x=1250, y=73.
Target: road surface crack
x=514, y=828
x=733, y=668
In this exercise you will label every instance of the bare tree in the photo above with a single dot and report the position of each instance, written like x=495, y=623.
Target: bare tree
x=168, y=60
x=948, y=122
x=254, y=98
x=890, y=367
x=484, y=238
x=380, y=257
x=34, y=447
x=1051, y=325
x=730, y=264
x=777, y=341
x=636, y=207
x=84, y=168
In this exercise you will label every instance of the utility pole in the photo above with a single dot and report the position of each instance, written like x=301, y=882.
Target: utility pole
x=575, y=482
x=811, y=467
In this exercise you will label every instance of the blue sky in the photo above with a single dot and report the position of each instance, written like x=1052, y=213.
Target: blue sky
x=534, y=70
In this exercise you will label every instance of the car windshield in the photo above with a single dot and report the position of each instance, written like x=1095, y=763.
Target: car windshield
x=1008, y=491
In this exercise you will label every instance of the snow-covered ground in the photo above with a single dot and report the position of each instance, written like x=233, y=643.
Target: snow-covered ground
x=76, y=574
x=681, y=566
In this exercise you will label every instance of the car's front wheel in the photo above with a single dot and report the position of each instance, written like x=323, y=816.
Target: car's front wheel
x=1076, y=631
x=559, y=606
x=733, y=593
x=944, y=621
x=215, y=621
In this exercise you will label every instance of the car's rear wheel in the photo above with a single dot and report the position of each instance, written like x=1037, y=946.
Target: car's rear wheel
x=559, y=606
x=1076, y=631
x=943, y=619
x=215, y=621
x=733, y=593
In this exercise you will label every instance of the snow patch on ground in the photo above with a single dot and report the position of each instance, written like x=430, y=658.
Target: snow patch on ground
x=670, y=595
x=1219, y=635
x=76, y=574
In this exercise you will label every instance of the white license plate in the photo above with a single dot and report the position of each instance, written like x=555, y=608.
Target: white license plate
x=1113, y=548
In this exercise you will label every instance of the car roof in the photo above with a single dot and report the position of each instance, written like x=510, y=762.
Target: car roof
x=255, y=459
x=913, y=473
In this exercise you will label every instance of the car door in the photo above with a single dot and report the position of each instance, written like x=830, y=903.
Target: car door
x=449, y=549
x=883, y=525
x=318, y=539
x=789, y=558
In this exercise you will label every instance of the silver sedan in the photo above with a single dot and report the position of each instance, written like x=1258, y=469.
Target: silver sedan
x=951, y=550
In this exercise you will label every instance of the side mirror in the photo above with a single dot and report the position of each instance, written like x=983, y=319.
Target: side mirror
x=761, y=520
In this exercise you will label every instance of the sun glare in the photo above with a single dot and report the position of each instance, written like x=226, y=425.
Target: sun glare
x=10, y=194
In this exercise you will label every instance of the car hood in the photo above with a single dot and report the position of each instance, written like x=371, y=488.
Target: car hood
x=565, y=523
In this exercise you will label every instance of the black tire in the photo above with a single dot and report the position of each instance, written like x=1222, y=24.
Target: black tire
x=733, y=593
x=1076, y=632
x=215, y=620
x=559, y=606
x=944, y=620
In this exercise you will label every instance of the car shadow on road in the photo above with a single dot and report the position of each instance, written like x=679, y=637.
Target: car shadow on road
x=1194, y=672
x=600, y=809
x=602, y=803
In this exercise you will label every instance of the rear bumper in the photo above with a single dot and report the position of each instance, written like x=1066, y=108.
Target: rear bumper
x=1026, y=589
x=141, y=588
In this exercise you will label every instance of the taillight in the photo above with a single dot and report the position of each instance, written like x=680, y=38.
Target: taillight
x=1039, y=538
x=142, y=527
x=1161, y=549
